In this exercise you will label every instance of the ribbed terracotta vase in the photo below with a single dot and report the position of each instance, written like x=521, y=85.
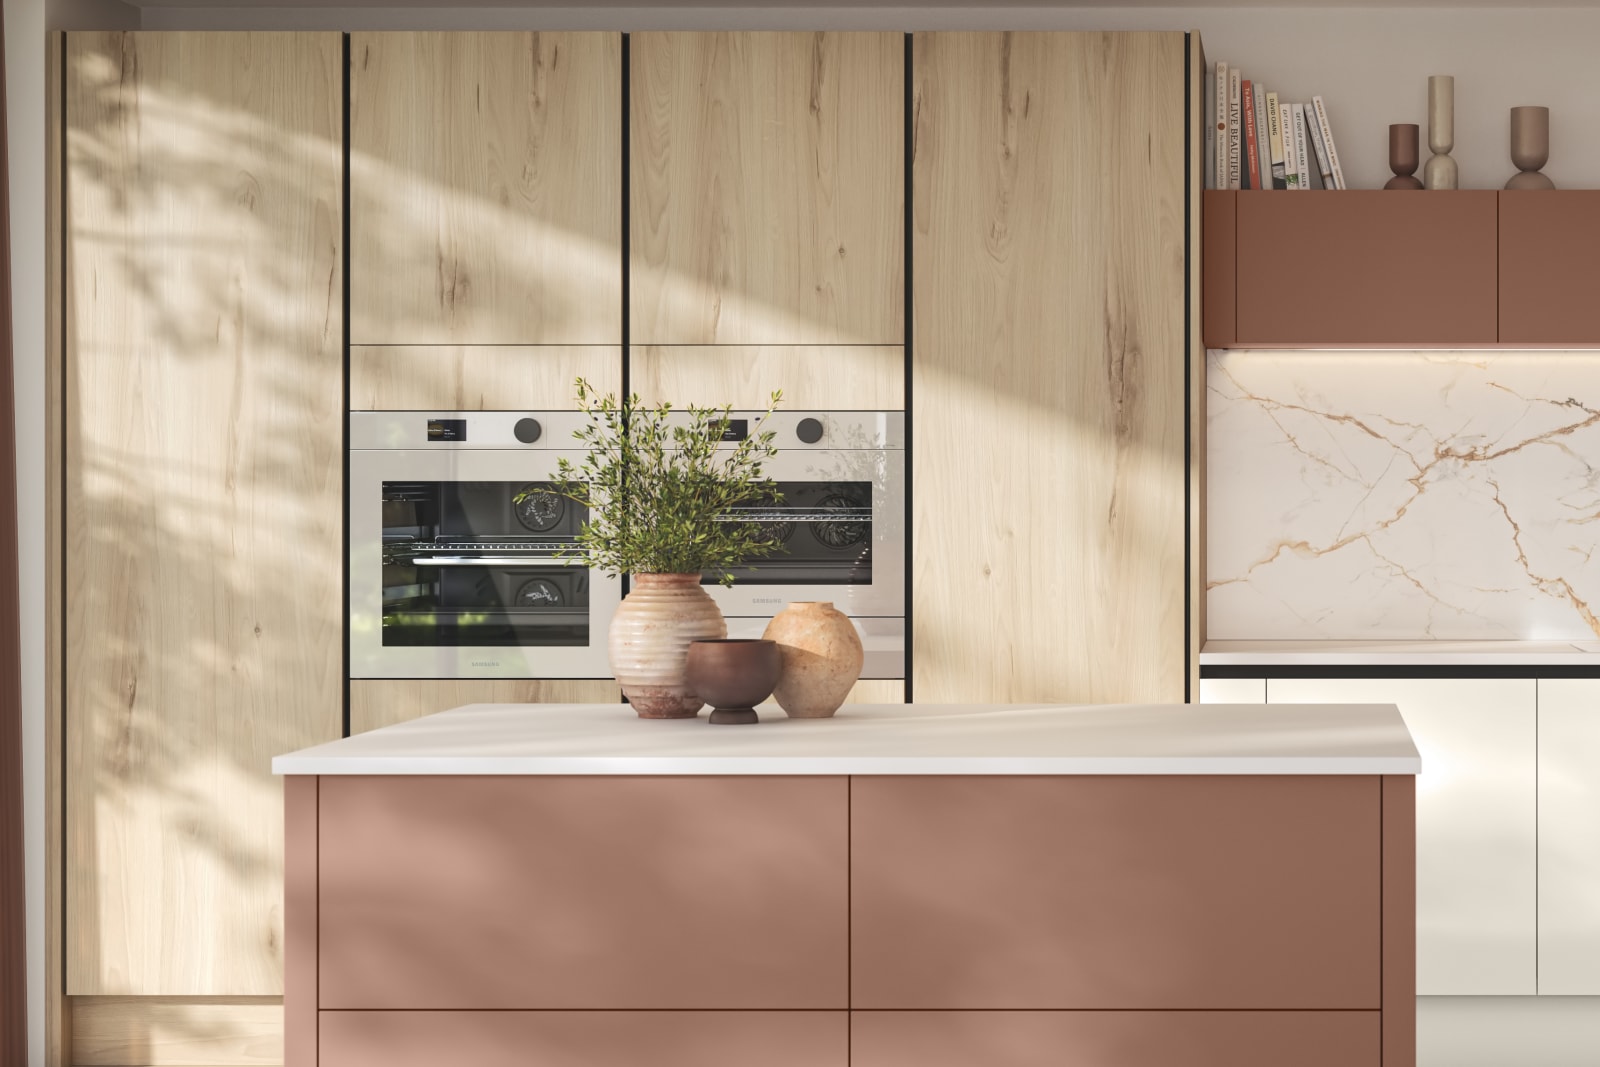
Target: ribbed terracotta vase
x=649, y=642
x=822, y=658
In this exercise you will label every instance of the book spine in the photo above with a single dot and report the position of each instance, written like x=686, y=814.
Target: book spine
x=1235, y=130
x=1302, y=158
x=1265, y=153
x=1250, y=173
x=1327, y=140
x=1220, y=122
x=1314, y=135
x=1208, y=114
x=1275, y=142
x=1291, y=167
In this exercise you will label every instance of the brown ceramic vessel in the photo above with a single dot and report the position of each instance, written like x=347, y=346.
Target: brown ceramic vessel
x=1403, y=156
x=733, y=675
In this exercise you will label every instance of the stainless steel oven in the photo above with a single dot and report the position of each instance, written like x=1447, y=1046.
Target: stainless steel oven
x=840, y=515
x=451, y=576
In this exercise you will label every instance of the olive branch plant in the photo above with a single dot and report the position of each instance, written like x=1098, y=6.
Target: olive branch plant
x=659, y=491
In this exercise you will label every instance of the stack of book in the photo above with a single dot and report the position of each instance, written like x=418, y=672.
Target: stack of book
x=1256, y=141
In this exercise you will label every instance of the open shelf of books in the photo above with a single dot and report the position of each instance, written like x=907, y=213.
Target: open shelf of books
x=1256, y=140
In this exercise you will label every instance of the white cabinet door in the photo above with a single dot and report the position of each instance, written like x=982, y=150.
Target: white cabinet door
x=1233, y=690
x=1476, y=823
x=1569, y=836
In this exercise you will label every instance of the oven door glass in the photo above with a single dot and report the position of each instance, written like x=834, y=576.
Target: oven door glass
x=474, y=564
x=824, y=530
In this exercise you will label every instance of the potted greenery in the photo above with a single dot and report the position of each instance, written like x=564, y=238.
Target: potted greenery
x=659, y=491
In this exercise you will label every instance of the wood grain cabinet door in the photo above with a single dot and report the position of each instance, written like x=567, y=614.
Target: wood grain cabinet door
x=1365, y=267
x=203, y=430
x=583, y=893
x=767, y=188
x=1048, y=367
x=485, y=188
x=1115, y=893
x=1549, y=267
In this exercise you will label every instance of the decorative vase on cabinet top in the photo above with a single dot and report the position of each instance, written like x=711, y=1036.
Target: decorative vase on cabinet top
x=649, y=642
x=822, y=658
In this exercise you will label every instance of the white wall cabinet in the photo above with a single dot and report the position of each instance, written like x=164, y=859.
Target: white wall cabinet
x=1569, y=836
x=1477, y=826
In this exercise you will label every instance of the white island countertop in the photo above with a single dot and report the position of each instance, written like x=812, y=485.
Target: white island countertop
x=871, y=739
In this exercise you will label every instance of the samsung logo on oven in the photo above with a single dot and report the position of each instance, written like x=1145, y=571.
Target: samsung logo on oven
x=485, y=663
x=766, y=600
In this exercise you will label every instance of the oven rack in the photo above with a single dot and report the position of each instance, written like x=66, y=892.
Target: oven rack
x=797, y=515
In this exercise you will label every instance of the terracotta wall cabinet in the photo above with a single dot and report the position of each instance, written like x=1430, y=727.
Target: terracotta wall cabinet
x=1479, y=269
x=1549, y=259
x=1350, y=269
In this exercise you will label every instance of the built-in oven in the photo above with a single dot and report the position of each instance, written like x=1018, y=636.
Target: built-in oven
x=839, y=515
x=454, y=535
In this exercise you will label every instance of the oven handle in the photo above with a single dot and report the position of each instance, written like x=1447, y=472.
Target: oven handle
x=495, y=561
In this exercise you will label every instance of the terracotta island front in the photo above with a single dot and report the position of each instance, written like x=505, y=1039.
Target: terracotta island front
x=899, y=886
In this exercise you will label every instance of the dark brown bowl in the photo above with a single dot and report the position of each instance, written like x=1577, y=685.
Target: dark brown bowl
x=733, y=676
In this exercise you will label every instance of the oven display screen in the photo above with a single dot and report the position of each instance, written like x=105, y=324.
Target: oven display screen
x=447, y=429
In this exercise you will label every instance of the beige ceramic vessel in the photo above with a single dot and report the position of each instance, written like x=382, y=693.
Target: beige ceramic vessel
x=649, y=642
x=821, y=658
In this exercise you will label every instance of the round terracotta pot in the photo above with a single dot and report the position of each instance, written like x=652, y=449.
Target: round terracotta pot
x=649, y=642
x=733, y=676
x=821, y=658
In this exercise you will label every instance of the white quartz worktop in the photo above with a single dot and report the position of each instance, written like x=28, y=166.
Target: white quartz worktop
x=884, y=739
x=1400, y=653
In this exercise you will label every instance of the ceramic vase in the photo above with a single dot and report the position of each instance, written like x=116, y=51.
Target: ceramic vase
x=1530, y=147
x=733, y=676
x=822, y=658
x=649, y=642
x=1441, y=171
x=1403, y=156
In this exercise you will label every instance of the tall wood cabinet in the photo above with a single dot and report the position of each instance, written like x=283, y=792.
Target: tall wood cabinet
x=766, y=223
x=1048, y=390
x=203, y=492
x=485, y=218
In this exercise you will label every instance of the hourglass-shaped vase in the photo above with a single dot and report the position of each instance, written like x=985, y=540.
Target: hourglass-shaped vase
x=1403, y=156
x=1441, y=171
x=1530, y=147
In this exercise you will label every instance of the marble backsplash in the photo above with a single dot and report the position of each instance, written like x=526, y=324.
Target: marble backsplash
x=1403, y=495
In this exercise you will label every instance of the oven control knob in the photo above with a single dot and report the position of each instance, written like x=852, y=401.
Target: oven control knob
x=527, y=430
x=809, y=431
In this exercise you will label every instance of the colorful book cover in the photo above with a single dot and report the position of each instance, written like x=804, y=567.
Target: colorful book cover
x=1251, y=171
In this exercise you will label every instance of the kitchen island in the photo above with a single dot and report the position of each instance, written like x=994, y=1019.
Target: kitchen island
x=937, y=885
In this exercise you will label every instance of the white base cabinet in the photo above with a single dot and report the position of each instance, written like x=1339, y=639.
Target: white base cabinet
x=1477, y=822
x=1508, y=824
x=1569, y=837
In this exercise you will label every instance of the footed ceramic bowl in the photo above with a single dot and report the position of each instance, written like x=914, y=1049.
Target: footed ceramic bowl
x=733, y=675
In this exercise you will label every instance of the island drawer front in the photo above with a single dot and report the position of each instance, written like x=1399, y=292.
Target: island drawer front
x=515, y=892
x=1114, y=1038
x=584, y=1038
x=1116, y=892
